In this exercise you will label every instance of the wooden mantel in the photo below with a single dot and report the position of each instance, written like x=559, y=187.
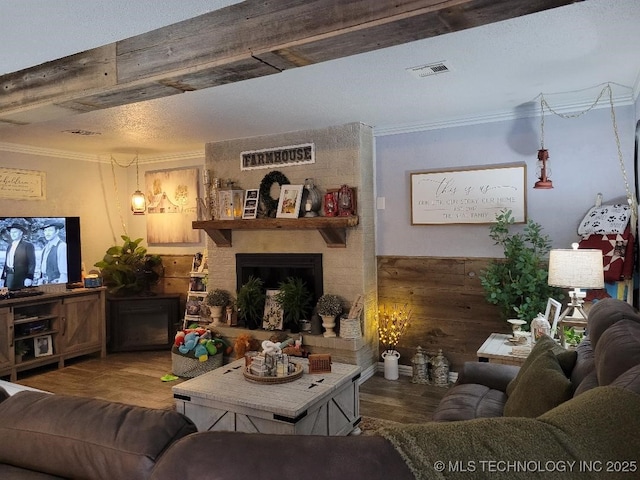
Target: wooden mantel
x=332, y=229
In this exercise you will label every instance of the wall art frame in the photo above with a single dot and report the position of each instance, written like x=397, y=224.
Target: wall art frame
x=468, y=195
x=251, y=199
x=289, y=202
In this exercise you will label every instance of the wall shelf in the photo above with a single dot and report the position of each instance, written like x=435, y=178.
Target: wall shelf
x=332, y=229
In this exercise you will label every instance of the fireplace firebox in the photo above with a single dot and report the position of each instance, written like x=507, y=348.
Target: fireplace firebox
x=273, y=268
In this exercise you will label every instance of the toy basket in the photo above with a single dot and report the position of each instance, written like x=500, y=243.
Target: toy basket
x=189, y=367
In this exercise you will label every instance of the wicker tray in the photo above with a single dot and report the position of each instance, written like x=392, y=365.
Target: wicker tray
x=274, y=380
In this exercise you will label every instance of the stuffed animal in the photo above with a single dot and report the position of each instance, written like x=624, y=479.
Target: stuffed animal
x=190, y=342
x=245, y=343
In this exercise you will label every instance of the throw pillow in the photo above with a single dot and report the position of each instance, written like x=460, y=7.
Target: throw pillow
x=566, y=358
x=543, y=386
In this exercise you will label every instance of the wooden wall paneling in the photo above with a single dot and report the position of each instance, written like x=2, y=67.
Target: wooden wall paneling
x=448, y=304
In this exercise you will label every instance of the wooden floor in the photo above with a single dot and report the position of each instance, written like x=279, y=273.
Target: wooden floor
x=134, y=378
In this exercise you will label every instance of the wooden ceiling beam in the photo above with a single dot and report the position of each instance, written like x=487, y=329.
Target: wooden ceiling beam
x=247, y=40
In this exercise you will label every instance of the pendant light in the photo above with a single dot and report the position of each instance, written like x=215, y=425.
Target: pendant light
x=138, y=200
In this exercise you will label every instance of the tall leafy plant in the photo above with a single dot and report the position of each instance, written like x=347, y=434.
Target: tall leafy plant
x=518, y=283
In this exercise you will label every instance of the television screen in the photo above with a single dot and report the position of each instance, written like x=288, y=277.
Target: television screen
x=38, y=251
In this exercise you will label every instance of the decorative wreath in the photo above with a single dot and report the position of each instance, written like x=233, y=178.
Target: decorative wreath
x=271, y=204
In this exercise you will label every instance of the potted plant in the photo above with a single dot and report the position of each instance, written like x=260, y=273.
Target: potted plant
x=250, y=302
x=295, y=299
x=518, y=283
x=329, y=306
x=128, y=269
x=572, y=338
x=217, y=300
x=21, y=348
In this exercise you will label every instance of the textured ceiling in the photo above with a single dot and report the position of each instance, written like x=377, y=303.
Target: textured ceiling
x=497, y=71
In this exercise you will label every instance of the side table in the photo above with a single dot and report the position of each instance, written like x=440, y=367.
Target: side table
x=498, y=349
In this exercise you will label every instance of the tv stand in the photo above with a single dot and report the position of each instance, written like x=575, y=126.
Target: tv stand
x=50, y=328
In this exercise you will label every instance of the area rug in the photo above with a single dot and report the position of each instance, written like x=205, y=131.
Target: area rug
x=369, y=425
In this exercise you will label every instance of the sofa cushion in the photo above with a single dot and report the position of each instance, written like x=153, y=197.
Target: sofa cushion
x=585, y=362
x=605, y=313
x=629, y=380
x=76, y=437
x=3, y=394
x=240, y=456
x=470, y=400
x=526, y=448
x=542, y=387
x=587, y=383
x=566, y=359
x=617, y=351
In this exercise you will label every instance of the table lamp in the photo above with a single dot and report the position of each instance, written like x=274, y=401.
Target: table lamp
x=575, y=268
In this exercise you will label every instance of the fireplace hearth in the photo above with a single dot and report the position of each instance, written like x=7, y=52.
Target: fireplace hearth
x=273, y=268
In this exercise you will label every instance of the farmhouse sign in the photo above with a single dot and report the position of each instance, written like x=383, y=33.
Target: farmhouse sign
x=470, y=195
x=278, y=157
x=22, y=184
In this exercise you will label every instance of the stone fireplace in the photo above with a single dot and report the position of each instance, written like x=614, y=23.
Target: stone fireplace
x=343, y=155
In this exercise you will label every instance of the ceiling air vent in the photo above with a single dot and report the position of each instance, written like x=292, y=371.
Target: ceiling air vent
x=86, y=133
x=429, y=69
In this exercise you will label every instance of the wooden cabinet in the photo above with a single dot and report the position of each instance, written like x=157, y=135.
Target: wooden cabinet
x=50, y=328
x=142, y=323
x=6, y=339
x=80, y=334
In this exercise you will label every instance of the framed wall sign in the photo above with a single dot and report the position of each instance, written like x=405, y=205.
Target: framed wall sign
x=468, y=195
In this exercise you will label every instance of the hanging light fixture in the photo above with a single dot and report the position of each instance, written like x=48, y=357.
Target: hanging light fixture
x=138, y=200
x=542, y=170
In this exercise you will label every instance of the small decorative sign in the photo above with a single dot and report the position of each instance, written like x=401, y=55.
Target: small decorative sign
x=278, y=157
x=470, y=195
x=22, y=184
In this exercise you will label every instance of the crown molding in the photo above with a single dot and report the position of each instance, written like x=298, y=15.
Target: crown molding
x=532, y=109
x=84, y=157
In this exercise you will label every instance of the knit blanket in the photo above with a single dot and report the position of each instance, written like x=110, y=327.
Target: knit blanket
x=593, y=436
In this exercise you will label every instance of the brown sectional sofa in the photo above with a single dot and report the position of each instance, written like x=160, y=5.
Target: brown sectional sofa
x=593, y=434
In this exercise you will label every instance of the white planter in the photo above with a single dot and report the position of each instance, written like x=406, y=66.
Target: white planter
x=390, y=358
x=329, y=323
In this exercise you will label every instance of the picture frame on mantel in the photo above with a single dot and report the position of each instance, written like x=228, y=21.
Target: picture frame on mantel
x=289, y=202
x=470, y=195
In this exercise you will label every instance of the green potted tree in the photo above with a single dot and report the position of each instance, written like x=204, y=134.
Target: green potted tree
x=518, y=283
x=329, y=306
x=128, y=269
x=295, y=299
x=250, y=302
x=217, y=300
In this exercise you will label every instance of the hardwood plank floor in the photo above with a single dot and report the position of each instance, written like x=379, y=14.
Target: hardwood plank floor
x=134, y=378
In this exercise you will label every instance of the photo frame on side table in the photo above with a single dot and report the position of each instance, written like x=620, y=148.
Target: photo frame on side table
x=552, y=314
x=43, y=346
x=289, y=203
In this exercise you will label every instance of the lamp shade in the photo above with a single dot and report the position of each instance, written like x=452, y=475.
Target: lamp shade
x=576, y=268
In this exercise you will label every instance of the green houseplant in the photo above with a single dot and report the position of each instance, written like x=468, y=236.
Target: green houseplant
x=250, y=302
x=295, y=299
x=518, y=283
x=329, y=305
x=128, y=269
x=217, y=300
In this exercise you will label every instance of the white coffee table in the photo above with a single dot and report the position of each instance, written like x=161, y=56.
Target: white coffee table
x=314, y=404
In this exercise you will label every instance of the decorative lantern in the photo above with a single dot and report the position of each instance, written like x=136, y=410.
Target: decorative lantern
x=345, y=201
x=230, y=200
x=440, y=370
x=331, y=204
x=539, y=326
x=419, y=363
x=311, y=199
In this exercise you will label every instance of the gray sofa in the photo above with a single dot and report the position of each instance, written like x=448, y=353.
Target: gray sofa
x=46, y=436
x=491, y=390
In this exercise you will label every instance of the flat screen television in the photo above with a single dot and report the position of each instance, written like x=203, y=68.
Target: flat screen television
x=53, y=254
